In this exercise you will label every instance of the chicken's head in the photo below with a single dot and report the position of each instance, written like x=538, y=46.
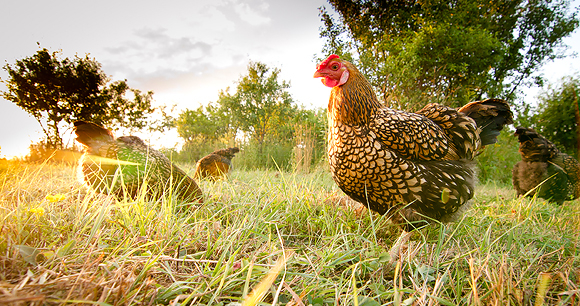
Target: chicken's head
x=332, y=71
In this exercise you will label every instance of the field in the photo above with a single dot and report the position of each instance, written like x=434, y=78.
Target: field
x=268, y=237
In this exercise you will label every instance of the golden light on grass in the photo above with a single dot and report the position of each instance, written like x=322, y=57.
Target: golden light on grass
x=39, y=211
x=108, y=161
x=224, y=251
x=262, y=288
x=55, y=198
x=544, y=280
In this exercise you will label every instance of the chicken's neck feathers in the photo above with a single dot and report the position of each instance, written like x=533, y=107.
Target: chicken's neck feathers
x=354, y=102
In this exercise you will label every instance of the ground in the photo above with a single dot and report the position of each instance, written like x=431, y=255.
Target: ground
x=292, y=238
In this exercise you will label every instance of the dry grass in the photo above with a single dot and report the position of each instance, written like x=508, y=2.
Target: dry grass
x=63, y=244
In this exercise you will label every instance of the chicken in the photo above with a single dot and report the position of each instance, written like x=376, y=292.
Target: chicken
x=123, y=165
x=414, y=167
x=555, y=174
x=216, y=164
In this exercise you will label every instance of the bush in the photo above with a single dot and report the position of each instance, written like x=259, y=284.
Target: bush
x=496, y=161
x=193, y=151
x=43, y=151
x=273, y=155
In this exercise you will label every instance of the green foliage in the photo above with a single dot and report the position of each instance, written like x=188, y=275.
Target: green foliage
x=415, y=52
x=302, y=149
x=205, y=129
x=556, y=116
x=261, y=104
x=55, y=90
x=276, y=154
x=204, y=124
x=495, y=163
x=310, y=141
x=260, y=118
x=194, y=150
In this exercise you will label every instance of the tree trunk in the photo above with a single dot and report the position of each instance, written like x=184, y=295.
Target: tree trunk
x=54, y=140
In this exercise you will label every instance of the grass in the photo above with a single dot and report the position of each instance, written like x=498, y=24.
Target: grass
x=272, y=237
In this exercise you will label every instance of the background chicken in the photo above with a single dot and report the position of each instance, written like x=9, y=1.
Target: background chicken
x=121, y=165
x=542, y=161
x=411, y=166
x=216, y=164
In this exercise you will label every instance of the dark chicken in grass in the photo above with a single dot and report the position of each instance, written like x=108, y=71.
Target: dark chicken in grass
x=414, y=167
x=124, y=165
x=555, y=174
x=216, y=164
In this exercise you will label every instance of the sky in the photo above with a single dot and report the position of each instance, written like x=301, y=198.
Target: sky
x=186, y=52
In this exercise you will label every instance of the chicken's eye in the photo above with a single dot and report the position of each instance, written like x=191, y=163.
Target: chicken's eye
x=334, y=67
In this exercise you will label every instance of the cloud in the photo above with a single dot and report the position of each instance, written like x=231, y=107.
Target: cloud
x=218, y=32
x=152, y=34
x=251, y=15
x=158, y=42
x=154, y=49
x=194, y=47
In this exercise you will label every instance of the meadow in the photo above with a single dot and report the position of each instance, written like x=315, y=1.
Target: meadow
x=273, y=237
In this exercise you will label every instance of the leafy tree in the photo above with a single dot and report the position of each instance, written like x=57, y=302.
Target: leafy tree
x=261, y=118
x=54, y=90
x=201, y=124
x=261, y=104
x=451, y=52
x=204, y=130
x=557, y=117
x=258, y=115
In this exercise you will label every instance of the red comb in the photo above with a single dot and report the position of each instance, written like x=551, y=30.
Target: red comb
x=328, y=59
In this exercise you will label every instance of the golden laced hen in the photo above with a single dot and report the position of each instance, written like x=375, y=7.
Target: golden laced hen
x=126, y=164
x=542, y=161
x=411, y=166
x=216, y=164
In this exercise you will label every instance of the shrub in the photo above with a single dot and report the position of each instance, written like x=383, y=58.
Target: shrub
x=496, y=161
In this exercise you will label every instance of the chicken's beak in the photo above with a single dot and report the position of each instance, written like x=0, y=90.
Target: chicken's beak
x=319, y=74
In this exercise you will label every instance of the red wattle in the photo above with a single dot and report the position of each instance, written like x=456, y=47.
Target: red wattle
x=327, y=81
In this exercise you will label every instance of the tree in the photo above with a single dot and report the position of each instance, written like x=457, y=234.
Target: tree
x=204, y=130
x=556, y=116
x=258, y=115
x=201, y=124
x=54, y=90
x=451, y=52
x=261, y=117
x=261, y=104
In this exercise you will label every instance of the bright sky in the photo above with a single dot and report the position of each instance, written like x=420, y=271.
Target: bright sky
x=184, y=51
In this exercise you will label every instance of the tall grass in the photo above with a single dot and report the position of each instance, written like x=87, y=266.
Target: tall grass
x=292, y=237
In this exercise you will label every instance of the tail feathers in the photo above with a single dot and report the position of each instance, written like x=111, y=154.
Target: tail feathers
x=525, y=134
x=92, y=135
x=533, y=146
x=228, y=153
x=491, y=116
